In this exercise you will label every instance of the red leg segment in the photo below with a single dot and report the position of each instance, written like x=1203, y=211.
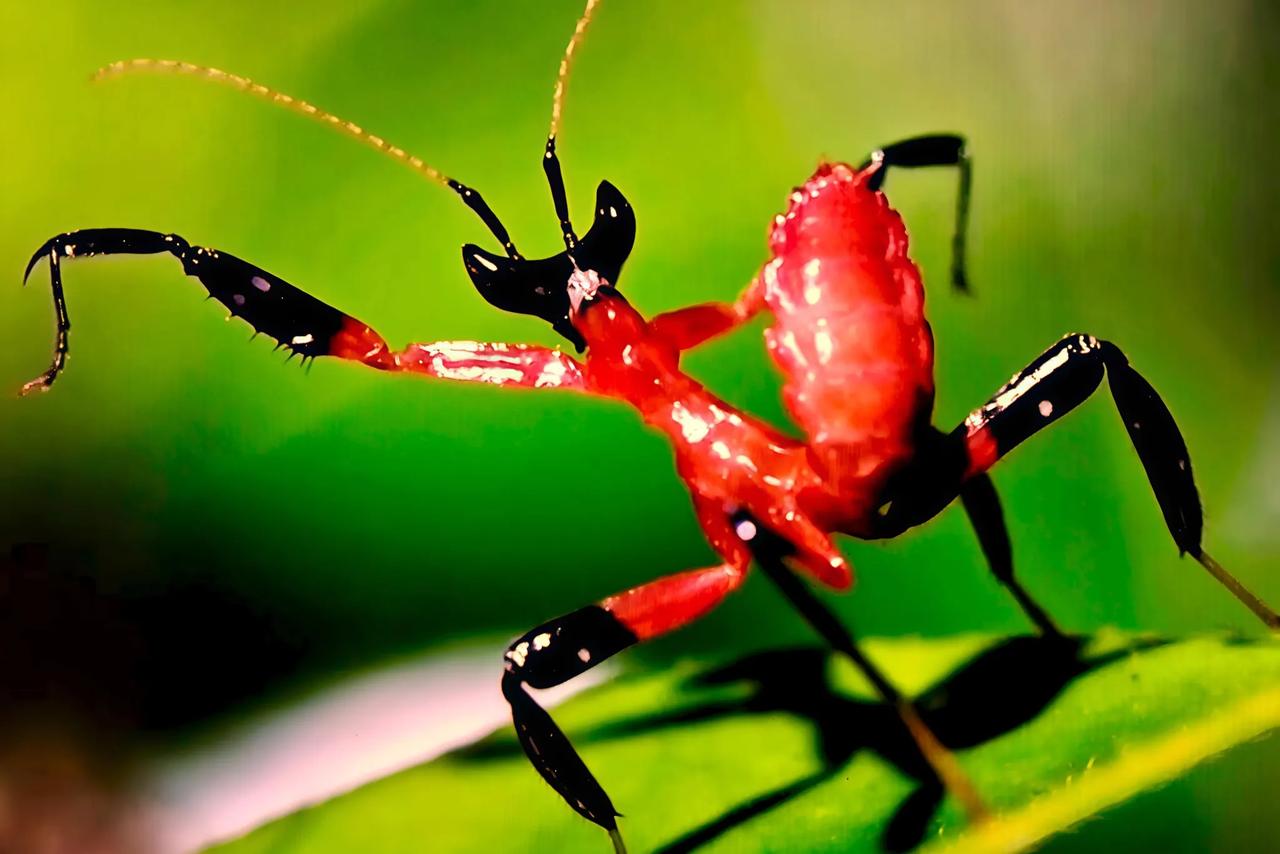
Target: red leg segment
x=686, y=328
x=466, y=361
x=658, y=607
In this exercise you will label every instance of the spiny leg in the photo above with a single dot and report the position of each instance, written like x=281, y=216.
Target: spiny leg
x=295, y=319
x=559, y=650
x=982, y=504
x=933, y=150
x=769, y=551
x=1062, y=378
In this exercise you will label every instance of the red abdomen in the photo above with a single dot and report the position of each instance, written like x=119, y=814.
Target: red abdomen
x=849, y=330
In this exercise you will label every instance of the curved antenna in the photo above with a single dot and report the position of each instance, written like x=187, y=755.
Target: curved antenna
x=469, y=196
x=566, y=62
x=297, y=105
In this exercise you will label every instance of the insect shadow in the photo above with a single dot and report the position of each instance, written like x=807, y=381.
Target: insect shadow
x=1006, y=685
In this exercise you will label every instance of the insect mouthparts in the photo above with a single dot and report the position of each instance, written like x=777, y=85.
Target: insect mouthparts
x=583, y=285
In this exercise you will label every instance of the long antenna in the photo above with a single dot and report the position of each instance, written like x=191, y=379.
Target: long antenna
x=297, y=105
x=566, y=62
x=470, y=197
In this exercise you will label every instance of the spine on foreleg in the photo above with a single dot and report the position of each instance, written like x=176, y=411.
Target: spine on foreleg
x=849, y=331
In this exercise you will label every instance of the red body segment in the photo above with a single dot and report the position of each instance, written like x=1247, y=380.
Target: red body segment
x=849, y=330
x=849, y=333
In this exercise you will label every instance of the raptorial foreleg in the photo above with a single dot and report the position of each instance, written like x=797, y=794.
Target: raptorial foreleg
x=298, y=321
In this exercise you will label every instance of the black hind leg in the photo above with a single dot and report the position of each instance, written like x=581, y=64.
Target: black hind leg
x=1062, y=378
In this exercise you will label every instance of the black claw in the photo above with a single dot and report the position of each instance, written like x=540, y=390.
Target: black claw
x=42, y=252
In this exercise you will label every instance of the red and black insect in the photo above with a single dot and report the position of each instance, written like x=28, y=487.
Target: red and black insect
x=847, y=329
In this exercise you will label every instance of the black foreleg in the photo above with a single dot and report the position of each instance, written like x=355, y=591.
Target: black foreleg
x=294, y=318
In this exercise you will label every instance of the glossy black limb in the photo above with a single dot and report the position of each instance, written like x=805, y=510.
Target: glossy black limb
x=1058, y=381
x=294, y=318
x=472, y=199
x=934, y=150
x=539, y=286
x=982, y=504
x=545, y=657
x=769, y=551
x=551, y=166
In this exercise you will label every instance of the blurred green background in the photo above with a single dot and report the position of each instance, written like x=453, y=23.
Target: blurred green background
x=248, y=527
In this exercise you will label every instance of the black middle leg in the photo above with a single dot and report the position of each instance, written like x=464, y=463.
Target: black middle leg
x=934, y=150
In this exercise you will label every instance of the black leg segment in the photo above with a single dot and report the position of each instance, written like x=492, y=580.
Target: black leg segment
x=982, y=505
x=934, y=150
x=769, y=551
x=547, y=656
x=1062, y=378
x=271, y=305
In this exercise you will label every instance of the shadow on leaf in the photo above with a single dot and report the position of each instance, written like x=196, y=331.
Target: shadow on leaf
x=1003, y=687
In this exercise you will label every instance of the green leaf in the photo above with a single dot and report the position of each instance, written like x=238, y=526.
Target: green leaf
x=785, y=750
